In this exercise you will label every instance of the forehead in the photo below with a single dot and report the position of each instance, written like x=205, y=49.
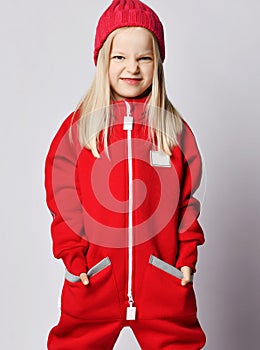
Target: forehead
x=134, y=38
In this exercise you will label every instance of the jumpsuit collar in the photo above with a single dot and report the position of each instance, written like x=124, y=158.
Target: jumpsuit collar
x=137, y=109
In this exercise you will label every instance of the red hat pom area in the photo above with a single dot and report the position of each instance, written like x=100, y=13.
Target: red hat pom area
x=128, y=13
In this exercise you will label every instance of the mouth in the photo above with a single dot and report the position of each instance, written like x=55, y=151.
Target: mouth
x=131, y=81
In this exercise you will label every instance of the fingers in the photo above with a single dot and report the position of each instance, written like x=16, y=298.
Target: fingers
x=185, y=281
x=186, y=271
x=84, y=278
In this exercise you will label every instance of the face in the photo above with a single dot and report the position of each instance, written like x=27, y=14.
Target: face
x=131, y=63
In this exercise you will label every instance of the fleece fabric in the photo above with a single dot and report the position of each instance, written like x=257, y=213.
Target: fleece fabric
x=89, y=201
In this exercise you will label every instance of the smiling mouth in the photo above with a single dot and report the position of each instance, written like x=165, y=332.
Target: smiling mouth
x=131, y=81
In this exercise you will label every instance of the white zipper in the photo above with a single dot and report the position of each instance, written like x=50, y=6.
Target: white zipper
x=128, y=125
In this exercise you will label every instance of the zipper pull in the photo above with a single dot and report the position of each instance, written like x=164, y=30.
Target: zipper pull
x=128, y=123
x=128, y=120
x=131, y=310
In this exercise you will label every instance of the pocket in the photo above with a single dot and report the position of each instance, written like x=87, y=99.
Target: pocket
x=98, y=300
x=162, y=295
x=162, y=265
x=91, y=272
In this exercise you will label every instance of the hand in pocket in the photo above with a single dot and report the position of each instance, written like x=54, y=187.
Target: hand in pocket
x=84, y=278
x=187, y=272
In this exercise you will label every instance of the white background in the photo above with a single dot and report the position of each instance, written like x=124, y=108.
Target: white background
x=212, y=74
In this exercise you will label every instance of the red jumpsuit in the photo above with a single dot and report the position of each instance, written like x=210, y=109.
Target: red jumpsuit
x=130, y=220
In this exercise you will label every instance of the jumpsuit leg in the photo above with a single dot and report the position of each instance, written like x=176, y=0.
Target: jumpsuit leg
x=166, y=334
x=72, y=333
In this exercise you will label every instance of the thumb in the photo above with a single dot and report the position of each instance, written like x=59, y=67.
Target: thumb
x=84, y=278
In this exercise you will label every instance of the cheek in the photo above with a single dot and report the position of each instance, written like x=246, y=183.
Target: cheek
x=111, y=75
x=114, y=72
x=149, y=73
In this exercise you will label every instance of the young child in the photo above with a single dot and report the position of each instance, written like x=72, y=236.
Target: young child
x=120, y=177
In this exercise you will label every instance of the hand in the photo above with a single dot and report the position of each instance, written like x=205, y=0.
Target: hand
x=186, y=271
x=84, y=278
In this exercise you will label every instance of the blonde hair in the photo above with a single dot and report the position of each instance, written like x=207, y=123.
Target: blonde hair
x=164, y=121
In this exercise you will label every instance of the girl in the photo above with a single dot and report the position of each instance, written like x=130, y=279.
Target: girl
x=120, y=177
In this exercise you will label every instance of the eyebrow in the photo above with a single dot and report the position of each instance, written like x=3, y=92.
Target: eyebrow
x=117, y=52
x=149, y=52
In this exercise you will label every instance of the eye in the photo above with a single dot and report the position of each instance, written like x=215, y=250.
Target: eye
x=118, y=58
x=146, y=58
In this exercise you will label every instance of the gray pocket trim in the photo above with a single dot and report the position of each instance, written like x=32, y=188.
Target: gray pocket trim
x=91, y=272
x=162, y=265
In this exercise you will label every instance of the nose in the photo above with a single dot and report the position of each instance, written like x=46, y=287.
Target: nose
x=132, y=66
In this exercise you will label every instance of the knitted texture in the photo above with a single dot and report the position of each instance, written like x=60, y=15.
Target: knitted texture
x=128, y=13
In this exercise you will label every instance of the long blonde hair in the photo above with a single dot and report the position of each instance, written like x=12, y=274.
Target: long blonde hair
x=164, y=121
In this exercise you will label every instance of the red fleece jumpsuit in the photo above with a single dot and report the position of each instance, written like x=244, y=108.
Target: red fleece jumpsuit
x=130, y=221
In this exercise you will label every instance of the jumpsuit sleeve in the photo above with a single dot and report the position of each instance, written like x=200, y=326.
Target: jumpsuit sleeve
x=190, y=232
x=63, y=200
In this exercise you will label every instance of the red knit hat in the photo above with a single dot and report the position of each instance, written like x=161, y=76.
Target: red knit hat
x=128, y=13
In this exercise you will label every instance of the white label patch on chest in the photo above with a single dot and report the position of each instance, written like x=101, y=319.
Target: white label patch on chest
x=159, y=158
